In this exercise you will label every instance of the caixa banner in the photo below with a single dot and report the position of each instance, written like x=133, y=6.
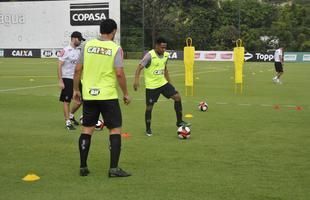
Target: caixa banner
x=23, y=53
x=175, y=55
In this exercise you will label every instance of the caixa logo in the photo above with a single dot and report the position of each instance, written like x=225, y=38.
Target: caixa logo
x=87, y=14
x=30, y=53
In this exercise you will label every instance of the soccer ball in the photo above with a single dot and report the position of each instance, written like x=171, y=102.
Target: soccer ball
x=203, y=106
x=99, y=125
x=184, y=132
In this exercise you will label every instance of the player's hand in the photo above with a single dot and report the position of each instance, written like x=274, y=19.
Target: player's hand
x=136, y=85
x=126, y=99
x=61, y=85
x=77, y=97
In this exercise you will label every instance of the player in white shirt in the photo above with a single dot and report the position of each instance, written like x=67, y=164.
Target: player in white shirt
x=278, y=63
x=67, y=61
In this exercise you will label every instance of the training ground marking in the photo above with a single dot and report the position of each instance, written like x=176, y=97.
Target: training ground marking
x=221, y=103
x=244, y=104
x=289, y=106
x=266, y=105
x=131, y=76
x=28, y=76
x=27, y=88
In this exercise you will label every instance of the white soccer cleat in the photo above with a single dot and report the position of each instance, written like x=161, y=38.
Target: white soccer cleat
x=274, y=79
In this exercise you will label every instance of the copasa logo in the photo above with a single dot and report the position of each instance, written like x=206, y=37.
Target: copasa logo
x=87, y=14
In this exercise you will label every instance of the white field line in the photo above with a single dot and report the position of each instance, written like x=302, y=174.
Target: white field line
x=27, y=76
x=131, y=76
x=172, y=73
x=27, y=88
x=221, y=103
x=244, y=104
x=289, y=106
x=265, y=105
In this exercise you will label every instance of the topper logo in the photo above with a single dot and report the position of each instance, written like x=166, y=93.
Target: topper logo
x=86, y=14
x=264, y=57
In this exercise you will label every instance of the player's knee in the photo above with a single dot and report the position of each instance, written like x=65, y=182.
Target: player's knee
x=114, y=131
x=176, y=97
x=88, y=130
x=149, y=107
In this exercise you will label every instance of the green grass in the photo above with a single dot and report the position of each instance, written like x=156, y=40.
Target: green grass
x=243, y=149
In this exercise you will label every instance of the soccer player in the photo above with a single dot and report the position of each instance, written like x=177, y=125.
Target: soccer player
x=66, y=66
x=278, y=63
x=157, y=82
x=101, y=67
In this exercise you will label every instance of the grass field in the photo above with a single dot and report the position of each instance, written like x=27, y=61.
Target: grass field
x=253, y=146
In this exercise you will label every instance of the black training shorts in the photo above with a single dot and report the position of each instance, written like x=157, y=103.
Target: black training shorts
x=278, y=66
x=152, y=95
x=109, y=109
x=67, y=93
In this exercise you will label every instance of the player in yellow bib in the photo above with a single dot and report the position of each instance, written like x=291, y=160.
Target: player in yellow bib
x=101, y=68
x=157, y=82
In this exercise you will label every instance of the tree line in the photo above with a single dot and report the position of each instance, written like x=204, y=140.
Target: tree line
x=216, y=24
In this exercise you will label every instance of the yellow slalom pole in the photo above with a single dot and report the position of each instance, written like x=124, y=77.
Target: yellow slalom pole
x=239, y=61
x=189, y=55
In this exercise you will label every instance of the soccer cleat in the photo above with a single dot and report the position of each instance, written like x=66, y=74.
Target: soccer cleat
x=274, y=79
x=84, y=171
x=183, y=123
x=74, y=121
x=70, y=127
x=118, y=172
x=148, y=133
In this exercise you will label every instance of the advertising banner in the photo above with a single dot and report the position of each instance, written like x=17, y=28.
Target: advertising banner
x=23, y=53
x=306, y=57
x=248, y=56
x=290, y=57
x=175, y=55
x=259, y=57
x=214, y=55
x=49, y=24
x=50, y=53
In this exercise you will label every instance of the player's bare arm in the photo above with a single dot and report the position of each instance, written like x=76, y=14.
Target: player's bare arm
x=121, y=78
x=136, y=83
x=76, y=82
x=167, y=75
x=59, y=72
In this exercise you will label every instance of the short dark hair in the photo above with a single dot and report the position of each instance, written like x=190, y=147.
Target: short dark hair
x=107, y=26
x=160, y=40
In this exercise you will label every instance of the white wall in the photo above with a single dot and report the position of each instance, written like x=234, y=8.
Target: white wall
x=47, y=24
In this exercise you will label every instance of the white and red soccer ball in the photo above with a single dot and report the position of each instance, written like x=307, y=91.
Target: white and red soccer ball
x=99, y=125
x=203, y=106
x=184, y=132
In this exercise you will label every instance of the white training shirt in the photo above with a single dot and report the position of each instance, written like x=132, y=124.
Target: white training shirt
x=277, y=55
x=69, y=56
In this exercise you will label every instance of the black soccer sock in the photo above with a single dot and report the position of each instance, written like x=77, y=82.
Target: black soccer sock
x=115, y=149
x=148, y=118
x=178, y=110
x=84, y=144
